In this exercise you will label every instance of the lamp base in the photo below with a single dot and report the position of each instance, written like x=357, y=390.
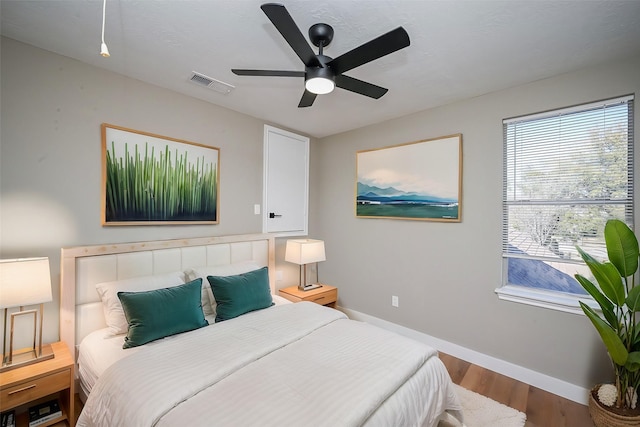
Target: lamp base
x=26, y=357
x=309, y=287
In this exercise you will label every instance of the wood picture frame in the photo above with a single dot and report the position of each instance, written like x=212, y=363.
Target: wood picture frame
x=150, y=179
x=419, y=180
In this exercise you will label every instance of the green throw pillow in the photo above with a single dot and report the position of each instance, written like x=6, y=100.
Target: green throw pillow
x=240, y=294
x=162, y=312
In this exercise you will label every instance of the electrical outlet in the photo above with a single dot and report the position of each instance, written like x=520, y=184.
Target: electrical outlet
x=394, y=301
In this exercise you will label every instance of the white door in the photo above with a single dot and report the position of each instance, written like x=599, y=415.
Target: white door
x=286, y=182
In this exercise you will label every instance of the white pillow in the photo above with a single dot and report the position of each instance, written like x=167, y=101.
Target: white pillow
x=108, y=291
x=218, y=270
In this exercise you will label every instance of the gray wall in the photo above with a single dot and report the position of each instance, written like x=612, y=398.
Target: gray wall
x=445, y=273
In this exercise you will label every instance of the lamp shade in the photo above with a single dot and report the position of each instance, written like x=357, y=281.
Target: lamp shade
x=304, y=251
x=24, y=281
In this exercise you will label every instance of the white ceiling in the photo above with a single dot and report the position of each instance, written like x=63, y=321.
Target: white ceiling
x=459, y=49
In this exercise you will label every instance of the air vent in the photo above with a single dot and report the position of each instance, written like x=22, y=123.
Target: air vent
x=211, y=83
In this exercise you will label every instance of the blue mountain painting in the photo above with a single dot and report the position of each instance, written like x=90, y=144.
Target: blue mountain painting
x=393, y=195
x=390, y=202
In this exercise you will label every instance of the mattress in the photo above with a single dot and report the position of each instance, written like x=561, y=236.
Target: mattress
x=299, y=364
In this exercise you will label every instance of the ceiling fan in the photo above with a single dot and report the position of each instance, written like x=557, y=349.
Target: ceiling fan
x=322, y=73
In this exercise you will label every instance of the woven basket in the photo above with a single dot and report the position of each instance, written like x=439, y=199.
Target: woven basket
x=602, y=417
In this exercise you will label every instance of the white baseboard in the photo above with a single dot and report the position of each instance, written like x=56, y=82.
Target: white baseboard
x=525, y=375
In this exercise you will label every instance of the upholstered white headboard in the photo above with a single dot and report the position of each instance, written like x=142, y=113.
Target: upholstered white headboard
x=84, y=267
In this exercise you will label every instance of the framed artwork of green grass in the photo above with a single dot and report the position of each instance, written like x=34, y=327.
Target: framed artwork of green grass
x=150, y=179
x=418, y=180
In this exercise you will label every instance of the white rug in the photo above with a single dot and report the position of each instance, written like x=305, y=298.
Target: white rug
x=480, y=411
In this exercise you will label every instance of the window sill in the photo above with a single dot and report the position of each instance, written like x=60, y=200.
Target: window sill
x=558, y=301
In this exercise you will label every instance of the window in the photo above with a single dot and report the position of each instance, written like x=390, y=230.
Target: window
x=566, y=172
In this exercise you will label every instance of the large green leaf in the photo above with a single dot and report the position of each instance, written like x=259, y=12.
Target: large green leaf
x=608, y=278
x=633, y=299
x=635, y=345
x=633, y=361
x=612, y=341
x=605, y=304
x=622, y=247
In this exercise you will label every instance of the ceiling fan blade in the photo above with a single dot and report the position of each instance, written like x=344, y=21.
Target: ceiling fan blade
x=358, y=86
x=385, y=44
x=307, y=99
x=272, y=73
x=284, y=23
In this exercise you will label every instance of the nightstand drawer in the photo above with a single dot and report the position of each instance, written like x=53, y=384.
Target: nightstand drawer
x=31, y=390
x=326, y=295
x=324, y=298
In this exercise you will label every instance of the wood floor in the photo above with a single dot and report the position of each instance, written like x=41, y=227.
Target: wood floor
x=543, y=409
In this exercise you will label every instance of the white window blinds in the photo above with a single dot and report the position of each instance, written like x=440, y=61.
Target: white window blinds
x=566, y=172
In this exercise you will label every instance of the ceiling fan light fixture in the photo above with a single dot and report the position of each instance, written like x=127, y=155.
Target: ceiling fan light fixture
x=320, y=80
x=320, y=85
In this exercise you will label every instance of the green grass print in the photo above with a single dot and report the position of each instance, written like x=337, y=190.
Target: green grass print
x=157, y=187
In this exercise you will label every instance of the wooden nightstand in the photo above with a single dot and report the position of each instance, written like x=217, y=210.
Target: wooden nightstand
x=23, y=387
x=326, y=295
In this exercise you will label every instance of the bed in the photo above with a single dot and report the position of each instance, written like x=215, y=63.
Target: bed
x=265, y=361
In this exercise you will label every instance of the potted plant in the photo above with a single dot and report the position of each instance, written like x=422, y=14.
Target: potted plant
x=618, y=296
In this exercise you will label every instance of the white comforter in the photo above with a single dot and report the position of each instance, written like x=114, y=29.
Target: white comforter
x=295, y=364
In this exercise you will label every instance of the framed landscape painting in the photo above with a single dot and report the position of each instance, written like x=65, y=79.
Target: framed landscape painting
x=418, y=181
x=151, y=179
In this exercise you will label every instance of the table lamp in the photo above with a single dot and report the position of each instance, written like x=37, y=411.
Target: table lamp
x=303, y=252
x=24, y=282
